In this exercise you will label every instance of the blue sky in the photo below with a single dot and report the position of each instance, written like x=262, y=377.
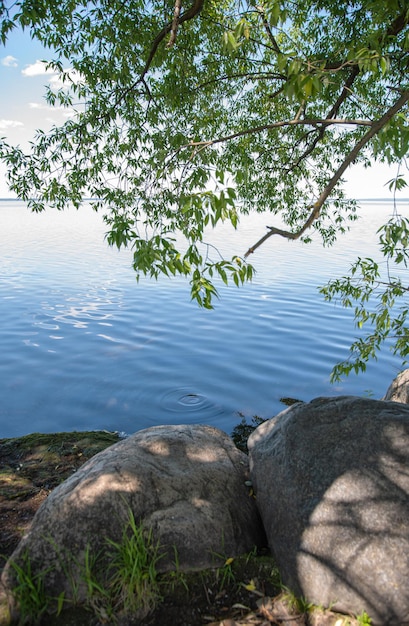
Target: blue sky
x=23, y=110
x=23, y=78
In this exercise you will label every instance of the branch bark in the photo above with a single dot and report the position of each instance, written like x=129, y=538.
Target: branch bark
x=376, y=126
x=194, y=10
x=268, y=30
x=175, y=23
x=295, y=122
x=172, y=28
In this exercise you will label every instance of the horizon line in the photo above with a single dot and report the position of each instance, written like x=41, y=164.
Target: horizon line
x=366, y=199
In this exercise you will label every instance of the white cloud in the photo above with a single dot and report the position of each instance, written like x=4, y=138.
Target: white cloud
x=56, y=80
x=75, y=77
x=39, y=68
x=40, y=106
x=9, y=61
x=4, y=124
x=65, y=111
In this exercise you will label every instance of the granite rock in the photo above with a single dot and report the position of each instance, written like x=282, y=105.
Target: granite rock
x=331, y=479
x=186, y=483
x=398, y=391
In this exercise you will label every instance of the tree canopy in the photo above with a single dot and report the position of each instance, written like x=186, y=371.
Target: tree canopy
x=187, y=114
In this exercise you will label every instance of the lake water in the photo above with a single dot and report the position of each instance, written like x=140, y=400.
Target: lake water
x=84, y=346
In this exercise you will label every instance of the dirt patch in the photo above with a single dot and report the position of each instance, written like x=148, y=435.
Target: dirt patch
x=242, y=593
x=30, y=467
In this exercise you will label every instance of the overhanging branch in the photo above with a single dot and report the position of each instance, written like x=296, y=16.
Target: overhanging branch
x=315, y=122
x=317, y=206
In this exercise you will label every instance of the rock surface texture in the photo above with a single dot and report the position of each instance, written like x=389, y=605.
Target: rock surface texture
x=186, y=483
x=398, y=390
x=332, y=485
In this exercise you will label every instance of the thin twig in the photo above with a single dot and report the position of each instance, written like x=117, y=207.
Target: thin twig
x=346, y=91
x=268, y=30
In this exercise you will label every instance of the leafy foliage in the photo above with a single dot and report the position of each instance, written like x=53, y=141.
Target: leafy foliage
x=375, y=293
x=183, y=119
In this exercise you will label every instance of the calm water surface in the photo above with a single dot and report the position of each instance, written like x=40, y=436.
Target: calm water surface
x=84, y=346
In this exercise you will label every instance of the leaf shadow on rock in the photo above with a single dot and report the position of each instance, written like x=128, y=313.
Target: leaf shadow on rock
x=332, y=485
x=186, y=483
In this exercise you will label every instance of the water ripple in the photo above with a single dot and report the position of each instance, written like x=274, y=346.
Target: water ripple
x=86, y=347
x=186, y=400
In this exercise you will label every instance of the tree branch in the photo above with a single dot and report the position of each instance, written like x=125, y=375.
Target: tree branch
x=268, y=30
x=317, y=206
x=295, y=122
x=175, y=23
x=246, y=75
x=394, y=28
x=194, y=10
x=346, y=91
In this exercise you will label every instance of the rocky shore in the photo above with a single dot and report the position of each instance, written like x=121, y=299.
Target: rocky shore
x=324, y=489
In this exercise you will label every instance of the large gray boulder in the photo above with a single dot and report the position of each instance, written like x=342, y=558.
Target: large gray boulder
x=398, y=391
x=186, y=483
x=331, y=479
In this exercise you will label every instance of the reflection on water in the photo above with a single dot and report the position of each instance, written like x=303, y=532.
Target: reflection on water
x=78, y=315
x=85, y=346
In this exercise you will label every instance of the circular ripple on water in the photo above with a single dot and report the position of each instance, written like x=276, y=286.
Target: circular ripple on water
x=184, y=400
